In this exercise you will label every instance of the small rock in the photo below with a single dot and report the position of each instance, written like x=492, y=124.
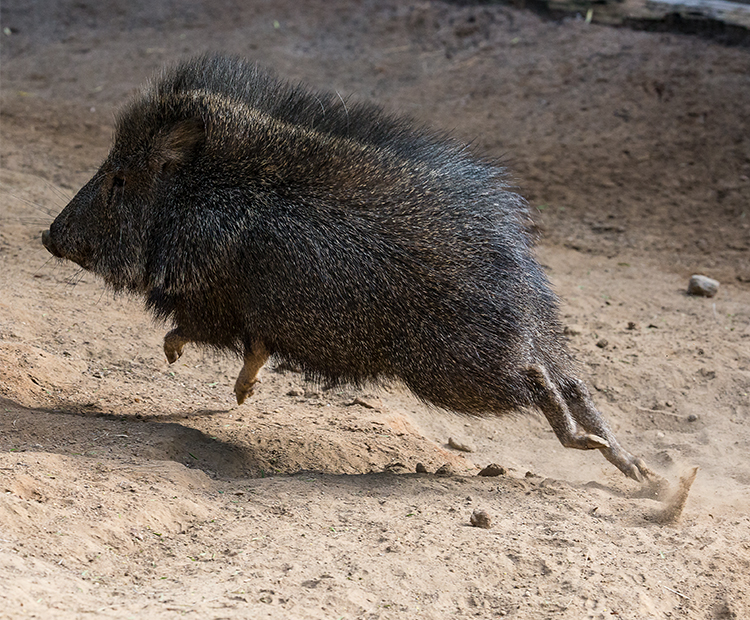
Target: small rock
x=444, y=470
x=421, y=469
x=480, y=518
x=459, y=446
x=395, y=465
x=492, y=470
x=294, y=392
x=703, y=286
x=602, y=343
x=632, y=325
x=362, y=403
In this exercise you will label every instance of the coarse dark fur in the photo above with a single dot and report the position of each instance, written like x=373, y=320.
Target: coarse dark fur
x=264, y=218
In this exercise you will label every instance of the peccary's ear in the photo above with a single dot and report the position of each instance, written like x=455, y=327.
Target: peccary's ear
x=177, y=144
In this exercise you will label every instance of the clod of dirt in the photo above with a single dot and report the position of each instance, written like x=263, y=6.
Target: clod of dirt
x=702, y=286
x=444, y=470
x=675, y=504
x=492, y=470
x=456, y=445
x=362, y=403
x=421, y=469
x=480, y=518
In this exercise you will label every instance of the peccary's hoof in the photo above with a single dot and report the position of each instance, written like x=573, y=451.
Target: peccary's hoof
x=243, y=392
x=643, y=473
x=173, y=345
x=586, y=441
x=629, y=465
x=595, y=442
x=242, y=396
x=172, y=356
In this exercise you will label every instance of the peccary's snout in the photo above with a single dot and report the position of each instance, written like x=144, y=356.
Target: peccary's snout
x=49, y=244
x=64, y=241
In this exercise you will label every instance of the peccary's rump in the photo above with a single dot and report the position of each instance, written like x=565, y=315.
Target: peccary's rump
x=261, y=217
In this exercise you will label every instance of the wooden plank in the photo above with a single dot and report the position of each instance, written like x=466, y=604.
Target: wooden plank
x=619, y=11
x=720, y=10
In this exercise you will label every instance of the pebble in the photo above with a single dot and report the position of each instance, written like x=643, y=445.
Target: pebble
x=421, y=469
x=456, y=445
x=602, y=343
x=703, y=286
x=444, y=470
x=492, y=470
x=480, y=518
x=362, y=403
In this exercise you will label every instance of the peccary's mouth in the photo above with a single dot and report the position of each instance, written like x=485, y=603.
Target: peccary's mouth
x=51, y=247
x=55, y=250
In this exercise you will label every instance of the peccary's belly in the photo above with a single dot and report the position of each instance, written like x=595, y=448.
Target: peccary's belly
x=458, y=364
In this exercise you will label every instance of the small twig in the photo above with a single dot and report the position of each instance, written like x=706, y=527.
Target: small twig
x=674, y=415
x=687, y=598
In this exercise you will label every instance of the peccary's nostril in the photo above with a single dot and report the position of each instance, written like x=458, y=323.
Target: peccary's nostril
x=47, y=241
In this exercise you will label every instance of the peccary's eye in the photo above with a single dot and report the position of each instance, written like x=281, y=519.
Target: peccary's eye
x=118, y=180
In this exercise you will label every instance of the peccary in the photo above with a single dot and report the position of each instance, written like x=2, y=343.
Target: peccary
x=259, y=217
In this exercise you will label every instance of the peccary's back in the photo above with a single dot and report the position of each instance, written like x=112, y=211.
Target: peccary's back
x=326, y=113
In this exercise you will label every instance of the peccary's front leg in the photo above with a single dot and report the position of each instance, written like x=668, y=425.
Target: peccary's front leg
x=174, y=341
x=255, y=356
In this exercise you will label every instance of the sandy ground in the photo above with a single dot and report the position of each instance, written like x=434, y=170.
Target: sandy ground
x=132, y=489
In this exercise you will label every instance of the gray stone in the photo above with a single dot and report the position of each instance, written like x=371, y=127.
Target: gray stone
x=702, y=286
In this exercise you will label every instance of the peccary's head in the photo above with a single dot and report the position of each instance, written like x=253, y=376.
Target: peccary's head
x=107, y=227
x=193, y=153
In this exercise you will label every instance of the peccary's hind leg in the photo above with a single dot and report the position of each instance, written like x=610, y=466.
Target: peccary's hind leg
x=174, y=341
x=552, y=404
x=588, y=417
x=577, y=423
x=255, y=357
